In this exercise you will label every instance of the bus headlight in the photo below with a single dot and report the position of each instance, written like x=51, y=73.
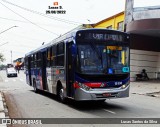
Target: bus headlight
x=85, y=87
x=125, y=85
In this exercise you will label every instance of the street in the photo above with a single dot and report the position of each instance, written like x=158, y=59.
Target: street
x=22, y=102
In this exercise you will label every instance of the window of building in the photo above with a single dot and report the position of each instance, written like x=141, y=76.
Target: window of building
x=120, y=26
x=109, y=27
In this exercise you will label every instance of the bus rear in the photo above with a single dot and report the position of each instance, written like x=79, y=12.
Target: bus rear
x=101, y=65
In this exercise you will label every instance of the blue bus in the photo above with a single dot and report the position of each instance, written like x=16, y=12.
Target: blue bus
x=84, y=64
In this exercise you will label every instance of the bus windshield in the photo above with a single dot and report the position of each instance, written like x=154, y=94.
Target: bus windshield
x=102, y=58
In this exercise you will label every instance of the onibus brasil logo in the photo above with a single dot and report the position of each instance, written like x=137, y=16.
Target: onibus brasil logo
x=55, y=9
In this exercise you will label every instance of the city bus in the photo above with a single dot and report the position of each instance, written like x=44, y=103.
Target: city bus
x=84, y=64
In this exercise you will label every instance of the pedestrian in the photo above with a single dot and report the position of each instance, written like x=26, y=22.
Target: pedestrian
x=144, y=74
x=18, y=69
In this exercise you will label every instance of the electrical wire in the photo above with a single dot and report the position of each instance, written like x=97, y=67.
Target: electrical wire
x=27, y=19
x=13, y=20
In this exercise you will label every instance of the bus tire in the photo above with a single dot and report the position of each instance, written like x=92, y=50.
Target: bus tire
x=34, y=86
x=60, y=94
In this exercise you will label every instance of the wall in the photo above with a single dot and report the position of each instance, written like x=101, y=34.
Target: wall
x=148, y=60
x=145, y=54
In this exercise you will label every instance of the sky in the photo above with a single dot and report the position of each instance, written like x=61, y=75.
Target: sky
x=33, y=28
x=145, y=3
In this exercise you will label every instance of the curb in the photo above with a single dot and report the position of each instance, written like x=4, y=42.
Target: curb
x=3, y=109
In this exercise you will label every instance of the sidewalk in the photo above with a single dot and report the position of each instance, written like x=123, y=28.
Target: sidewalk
x=151, y=88
x=2, y=109
x=2, y=114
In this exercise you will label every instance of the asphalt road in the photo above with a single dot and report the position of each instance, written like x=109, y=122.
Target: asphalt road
x=22, y=102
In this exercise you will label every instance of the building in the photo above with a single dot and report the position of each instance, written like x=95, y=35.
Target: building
x=115, y=22
x=142, y=21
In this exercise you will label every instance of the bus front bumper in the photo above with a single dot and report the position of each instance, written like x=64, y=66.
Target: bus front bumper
x=101, y=94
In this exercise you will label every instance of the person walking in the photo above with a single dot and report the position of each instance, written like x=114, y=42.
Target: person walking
x=18, y=69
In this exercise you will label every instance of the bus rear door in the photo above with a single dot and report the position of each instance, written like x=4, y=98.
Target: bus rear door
x=43, y=68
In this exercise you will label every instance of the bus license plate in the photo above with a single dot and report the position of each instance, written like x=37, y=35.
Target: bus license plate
x=106, y=94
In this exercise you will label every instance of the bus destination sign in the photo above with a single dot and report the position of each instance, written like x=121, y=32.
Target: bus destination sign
x=104, y=37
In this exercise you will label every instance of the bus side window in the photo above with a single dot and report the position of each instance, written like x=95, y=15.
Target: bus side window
x=32, y=61
x=35, y=59
x=48, y=57
x=38, y=61
x=53, y=56
x=60, y=54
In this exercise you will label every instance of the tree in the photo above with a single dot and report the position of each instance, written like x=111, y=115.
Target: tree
x=2, y=57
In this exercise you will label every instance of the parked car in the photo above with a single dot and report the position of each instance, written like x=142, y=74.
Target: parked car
x=11, y=72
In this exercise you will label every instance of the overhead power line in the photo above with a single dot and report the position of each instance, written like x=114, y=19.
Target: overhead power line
x=15, y=20
x=44, y=15
x=3, y=43
x=28, y=20
x=8, y=29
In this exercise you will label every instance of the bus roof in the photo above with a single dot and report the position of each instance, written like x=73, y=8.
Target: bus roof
x=65, y=36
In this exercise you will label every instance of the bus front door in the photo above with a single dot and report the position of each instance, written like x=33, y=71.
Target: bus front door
x=29, y=71
x=69, y=70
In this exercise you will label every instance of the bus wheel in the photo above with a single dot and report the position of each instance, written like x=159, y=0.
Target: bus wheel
x=34, y=87
x=61, y=96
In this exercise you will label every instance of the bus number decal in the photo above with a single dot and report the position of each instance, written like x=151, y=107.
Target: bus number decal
x=118, y=83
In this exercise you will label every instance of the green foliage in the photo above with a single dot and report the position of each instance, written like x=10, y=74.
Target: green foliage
x=2, y=67
x=2, y=57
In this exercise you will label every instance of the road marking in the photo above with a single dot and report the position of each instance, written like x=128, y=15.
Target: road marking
x=109, y=111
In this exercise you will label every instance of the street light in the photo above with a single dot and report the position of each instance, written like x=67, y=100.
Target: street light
x=8, y=29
